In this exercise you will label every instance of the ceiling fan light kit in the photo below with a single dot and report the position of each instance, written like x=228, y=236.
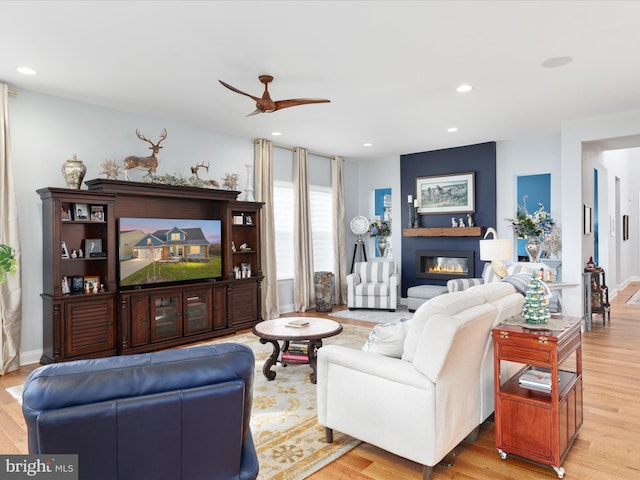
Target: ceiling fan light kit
x=265, y=104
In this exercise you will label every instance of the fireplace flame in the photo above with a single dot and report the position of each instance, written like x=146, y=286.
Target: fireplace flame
x=446, y=269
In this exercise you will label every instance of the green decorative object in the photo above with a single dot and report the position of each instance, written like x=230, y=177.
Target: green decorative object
x=536, y=304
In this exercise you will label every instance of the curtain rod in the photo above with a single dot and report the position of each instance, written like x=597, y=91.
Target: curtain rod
x=308, y=152
x=13, y=92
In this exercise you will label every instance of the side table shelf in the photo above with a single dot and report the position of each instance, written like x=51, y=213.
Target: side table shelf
x=538, y=424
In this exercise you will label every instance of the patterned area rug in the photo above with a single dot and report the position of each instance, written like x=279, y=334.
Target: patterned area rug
x=289, y=442
x=374, y=316
x=634, y=299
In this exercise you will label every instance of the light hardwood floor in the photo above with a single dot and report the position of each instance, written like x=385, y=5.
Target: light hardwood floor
x=606, y=447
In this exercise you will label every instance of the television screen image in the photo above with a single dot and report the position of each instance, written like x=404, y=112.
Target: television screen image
x=154, y=251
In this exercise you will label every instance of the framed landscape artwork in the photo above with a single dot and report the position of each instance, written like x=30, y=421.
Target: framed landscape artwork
x=446, y=193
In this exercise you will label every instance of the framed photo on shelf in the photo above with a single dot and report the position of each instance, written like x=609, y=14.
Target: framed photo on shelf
x=65, y=212
x=91, y=284
x=446, y=193
x=65, y=251
x=97, y=213
x=93, y=247
x=245, y=268
x=76, y=284
x=248, y=220
x=80, y=211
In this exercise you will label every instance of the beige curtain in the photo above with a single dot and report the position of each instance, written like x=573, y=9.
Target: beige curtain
x=263, y=160
x=339, y=235
x=303, y=288
x=10, y=290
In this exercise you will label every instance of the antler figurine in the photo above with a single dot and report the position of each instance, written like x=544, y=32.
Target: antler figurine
x=145, y=163
x=208, y=183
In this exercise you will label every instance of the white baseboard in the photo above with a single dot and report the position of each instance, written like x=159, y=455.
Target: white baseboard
x=28, y=358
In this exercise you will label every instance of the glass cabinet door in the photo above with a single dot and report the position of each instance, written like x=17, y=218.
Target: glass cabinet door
x=166, y=315
x=197, y=305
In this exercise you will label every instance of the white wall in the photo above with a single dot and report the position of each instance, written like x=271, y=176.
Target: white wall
x=373, y=175
x=575, y=150
x=528, y=156
x=624, y=165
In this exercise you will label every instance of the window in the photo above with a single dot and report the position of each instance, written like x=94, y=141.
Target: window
x=320, y=206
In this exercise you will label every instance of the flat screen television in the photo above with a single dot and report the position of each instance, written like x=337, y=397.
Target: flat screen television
x=157, y=251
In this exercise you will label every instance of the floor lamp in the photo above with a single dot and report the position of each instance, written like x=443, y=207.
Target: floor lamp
x=495, y=250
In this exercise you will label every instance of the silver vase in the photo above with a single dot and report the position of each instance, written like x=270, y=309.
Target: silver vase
x=74, y=171
x=382, y=246
x=533, y=248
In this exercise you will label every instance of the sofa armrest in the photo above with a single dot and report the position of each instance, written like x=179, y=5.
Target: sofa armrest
x=460, y=284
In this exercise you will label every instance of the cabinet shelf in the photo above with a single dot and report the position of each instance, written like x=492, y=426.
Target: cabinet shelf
x=444, y=232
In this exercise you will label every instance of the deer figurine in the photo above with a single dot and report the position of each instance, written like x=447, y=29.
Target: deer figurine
x=145, y=163
x=208, y=183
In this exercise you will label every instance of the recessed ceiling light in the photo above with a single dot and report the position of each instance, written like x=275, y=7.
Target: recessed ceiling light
x=464, y=88
x=27, y=70
x=276, y=134
x=367, y=144
x=452, y=129
x=556, y=62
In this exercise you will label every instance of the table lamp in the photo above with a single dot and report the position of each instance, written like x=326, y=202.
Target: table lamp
x=495, y=250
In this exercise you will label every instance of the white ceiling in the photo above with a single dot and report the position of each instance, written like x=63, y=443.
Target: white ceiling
x=390, y=68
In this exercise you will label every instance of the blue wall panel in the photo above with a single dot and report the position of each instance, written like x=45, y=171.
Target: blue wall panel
x=481, y=159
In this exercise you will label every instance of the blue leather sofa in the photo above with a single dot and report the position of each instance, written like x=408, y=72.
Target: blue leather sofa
x=176, y=414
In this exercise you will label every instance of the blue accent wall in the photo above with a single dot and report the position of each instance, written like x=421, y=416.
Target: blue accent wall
x=480, y=159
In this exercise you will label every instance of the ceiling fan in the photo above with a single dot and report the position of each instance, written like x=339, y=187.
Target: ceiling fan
x=266, y=105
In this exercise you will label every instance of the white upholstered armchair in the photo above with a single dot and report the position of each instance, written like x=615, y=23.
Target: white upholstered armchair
x=373, y=285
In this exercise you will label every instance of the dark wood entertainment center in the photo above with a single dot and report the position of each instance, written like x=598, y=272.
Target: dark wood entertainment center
x=111, y=321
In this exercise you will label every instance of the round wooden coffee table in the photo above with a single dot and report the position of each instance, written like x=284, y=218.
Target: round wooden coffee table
x=277, y=330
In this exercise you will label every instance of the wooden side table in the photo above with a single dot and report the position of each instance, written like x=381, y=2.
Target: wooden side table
x=537, y=424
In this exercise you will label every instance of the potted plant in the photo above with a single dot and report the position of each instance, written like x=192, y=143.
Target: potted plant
x=8, y=262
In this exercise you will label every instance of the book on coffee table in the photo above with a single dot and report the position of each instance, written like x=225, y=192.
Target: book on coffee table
x=298, y=323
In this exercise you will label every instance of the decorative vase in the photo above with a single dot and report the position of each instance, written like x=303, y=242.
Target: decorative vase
x=534, y=248
x=74, y=171
x=382, y=246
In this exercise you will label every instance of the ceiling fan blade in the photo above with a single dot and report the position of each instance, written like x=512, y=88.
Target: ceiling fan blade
x=294, y=102
x=234, y=89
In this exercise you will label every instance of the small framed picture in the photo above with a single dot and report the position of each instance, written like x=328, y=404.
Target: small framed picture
x=65, y=212
x=91, y=284
x=97, y=213
x=65, y=251
x=93, y=247
x=248, y=220
x=65, y=286
x=246, y=270
x=76, y=284
x=80, y=211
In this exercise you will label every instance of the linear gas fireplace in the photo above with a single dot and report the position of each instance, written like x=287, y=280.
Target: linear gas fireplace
x=444, y=264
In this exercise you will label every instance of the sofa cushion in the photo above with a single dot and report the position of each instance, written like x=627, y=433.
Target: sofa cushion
x=519, y=281
x=449, y=303
x=388, y=338
x=492, y=291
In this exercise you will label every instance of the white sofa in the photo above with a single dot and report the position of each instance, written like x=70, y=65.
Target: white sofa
x=424, y=403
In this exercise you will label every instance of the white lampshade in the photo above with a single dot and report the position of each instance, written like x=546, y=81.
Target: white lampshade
x=495, y=249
